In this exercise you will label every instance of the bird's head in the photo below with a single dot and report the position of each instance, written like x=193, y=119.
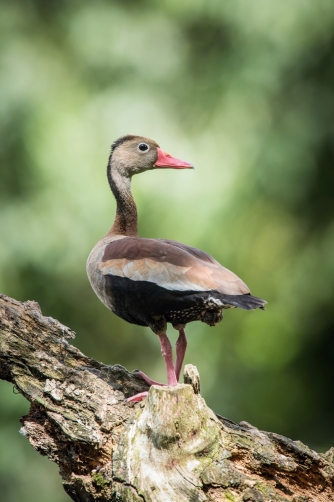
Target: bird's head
x=135, y=154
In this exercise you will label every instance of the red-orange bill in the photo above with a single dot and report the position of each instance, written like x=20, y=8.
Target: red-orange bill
x=166, y=160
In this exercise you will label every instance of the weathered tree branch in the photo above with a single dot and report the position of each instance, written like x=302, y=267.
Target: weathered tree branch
x=170, y=448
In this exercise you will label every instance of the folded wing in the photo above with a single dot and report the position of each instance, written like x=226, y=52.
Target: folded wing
x=170, y=265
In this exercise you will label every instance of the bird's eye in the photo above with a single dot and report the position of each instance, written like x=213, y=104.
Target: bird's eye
x=143, y=147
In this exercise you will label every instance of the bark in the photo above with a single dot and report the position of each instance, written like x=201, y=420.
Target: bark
x=171, y=447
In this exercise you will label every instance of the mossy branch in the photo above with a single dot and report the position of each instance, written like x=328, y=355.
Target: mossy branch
x=169, y=448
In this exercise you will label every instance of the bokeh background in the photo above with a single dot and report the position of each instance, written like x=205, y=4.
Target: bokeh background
x=244, y=90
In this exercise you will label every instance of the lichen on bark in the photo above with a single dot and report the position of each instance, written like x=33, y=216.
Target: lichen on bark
x=171, y=447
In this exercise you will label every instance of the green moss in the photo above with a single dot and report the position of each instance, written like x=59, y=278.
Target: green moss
x=269, y=493
x=264, y=489
x=100, y=480
x=244, y=442
x=229, y=496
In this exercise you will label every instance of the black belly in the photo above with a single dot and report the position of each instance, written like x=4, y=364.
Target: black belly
x=139, y=302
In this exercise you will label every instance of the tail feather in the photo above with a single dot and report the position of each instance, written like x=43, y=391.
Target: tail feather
x=246, y=302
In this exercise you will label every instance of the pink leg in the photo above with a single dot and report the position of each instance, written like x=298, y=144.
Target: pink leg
x=167, y=354
x=137, y=398
x=181, y=346
x=148, y=379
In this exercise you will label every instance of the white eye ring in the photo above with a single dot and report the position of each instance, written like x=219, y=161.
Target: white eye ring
x=143, y=147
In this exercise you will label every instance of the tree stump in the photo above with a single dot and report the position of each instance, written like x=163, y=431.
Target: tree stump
x=169, y=448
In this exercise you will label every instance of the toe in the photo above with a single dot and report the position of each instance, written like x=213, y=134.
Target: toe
x=137, y=397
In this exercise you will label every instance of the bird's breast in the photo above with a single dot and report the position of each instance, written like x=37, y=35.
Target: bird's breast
x=96, y=278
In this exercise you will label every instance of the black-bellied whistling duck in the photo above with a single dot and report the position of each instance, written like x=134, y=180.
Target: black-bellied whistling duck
x=151, y=282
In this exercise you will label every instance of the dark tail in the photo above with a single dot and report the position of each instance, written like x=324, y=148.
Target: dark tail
x=246, y=302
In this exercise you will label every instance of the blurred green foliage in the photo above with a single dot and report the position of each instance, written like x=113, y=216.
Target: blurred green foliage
x=244, y=90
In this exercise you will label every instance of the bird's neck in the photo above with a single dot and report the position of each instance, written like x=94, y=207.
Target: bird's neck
x=126, y=220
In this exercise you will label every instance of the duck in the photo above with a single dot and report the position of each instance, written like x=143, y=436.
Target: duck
x=152, y=282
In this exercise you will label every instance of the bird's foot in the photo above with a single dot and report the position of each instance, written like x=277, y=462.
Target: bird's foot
x=148, y=379
x=137, y=397
x=211, y=317
x=167, y=353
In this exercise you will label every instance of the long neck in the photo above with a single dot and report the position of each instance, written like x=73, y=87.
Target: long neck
x=126, y=220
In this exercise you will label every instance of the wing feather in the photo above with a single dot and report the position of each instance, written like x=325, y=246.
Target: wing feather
x=171, y=265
